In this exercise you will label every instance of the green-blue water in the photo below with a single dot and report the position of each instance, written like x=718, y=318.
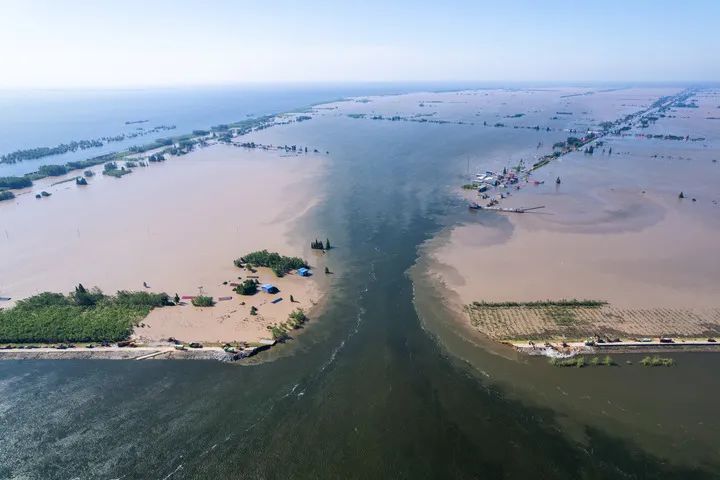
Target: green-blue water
x=366, y=392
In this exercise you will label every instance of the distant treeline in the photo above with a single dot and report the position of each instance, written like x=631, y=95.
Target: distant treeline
x=178, y=145
x=44, y=171
x=40, y=152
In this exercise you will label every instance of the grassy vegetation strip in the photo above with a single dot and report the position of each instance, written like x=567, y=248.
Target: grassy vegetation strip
x=580, y=361
x=81, y=316
x=542, y=304
x=657, y=362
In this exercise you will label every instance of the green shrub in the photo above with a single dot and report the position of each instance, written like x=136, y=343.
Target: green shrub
x=203, y=301
x=248, y=287
x=578, y=361
x=279, y=332
x=296, y=318
x=657, y=362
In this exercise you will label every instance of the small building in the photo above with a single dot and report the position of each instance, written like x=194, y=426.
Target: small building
x=269, y=288
x=303, y=272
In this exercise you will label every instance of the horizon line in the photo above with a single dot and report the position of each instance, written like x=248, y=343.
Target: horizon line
x=275, y=83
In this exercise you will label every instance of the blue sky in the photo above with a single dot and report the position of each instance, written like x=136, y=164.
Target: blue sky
x=72, y=43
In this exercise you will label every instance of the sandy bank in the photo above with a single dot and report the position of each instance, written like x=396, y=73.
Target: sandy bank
x=230, y=320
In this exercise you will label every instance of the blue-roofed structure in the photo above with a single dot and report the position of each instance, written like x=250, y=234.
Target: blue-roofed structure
x=269, y=288
x=303, y=272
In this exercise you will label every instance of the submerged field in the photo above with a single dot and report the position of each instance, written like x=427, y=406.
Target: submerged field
x=554, y=321
x=614, y=224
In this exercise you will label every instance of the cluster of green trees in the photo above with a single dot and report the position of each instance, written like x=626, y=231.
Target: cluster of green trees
x=81, y=316
x=52, y=170
x=90, y=162
x=248, y=287
x=278, y=263
x=573, y=141
x=318, y=244
x=6, y=195
x=111, y=169
x=15, y=182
